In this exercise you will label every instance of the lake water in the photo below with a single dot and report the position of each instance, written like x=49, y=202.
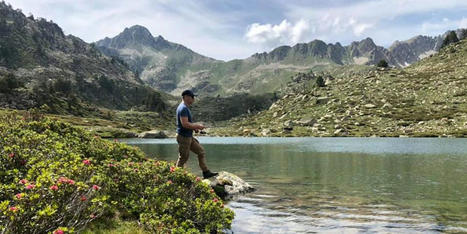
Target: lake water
x=339, y=185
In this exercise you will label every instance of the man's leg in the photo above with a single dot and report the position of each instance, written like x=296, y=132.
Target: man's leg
x=184, y=144
x=199, y=150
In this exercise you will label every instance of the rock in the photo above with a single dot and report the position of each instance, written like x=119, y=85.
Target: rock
x=306, y=122
x=338, y=131
x=227, y=185
x=387, y=106
x=322, y=100
x=273, y=106
x=153, y=134
x=288, y=124
x=370, y=106
x=265, y=132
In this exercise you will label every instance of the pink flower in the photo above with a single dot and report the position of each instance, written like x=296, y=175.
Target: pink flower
x=30, y=186
x=59, y=231
x=54, y=187
x=71, y=182
x=215, y=200
x=62, y=180
x=169, y=182
x=11, y=155
x=83, y=198
x=13, y=208
x=95, y=187
x=198, y=179
x=19, y=196
x=92, y=216
x=23, y=181
x=86, y=162
x=110, y=165
x=172, y=169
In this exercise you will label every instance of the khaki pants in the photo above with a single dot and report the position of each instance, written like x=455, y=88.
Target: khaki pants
x=185, y=144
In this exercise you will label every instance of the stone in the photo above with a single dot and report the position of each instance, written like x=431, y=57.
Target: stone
x=338, y=131
x=306, y=122
x=265, y=132
x=288, y=124
x=227, y=185
x=370, y=106
x=387, y=106
x=322, y=100
x=153, y=134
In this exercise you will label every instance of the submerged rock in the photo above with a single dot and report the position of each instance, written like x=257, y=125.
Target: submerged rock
x=227, y=185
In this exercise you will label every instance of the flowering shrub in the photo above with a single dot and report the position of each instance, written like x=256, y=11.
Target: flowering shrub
x=56, y=178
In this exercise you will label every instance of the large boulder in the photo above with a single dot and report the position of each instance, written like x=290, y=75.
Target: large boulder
x=227, y=185
x=153, y=134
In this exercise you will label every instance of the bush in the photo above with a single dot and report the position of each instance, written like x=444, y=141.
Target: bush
x=320, y=81
x=9, y=83
x=55, y=176
x=450, y=38
x=382, y=63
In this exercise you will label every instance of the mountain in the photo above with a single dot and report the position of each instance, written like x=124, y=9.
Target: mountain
x=407, y=52
x=158, y=62
x=40, y=65
x=425, y=99
x=171, y=67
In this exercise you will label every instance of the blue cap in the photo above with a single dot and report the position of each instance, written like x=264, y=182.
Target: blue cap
x=189, y=93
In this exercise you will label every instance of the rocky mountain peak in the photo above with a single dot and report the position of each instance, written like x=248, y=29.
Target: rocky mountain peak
x=134, y=35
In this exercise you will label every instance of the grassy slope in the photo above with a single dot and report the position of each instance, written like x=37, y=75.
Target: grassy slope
x=117, y=124
x=425, y=99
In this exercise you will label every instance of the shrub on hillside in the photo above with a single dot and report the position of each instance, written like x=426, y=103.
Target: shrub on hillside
x=382, y=63
x=450, y=38
x=320, y=81
x=58, y=177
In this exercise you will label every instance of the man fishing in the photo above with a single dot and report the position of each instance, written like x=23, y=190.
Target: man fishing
x=185, y=139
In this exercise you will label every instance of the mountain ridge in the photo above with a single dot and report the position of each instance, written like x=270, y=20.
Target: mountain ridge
x=164, y=69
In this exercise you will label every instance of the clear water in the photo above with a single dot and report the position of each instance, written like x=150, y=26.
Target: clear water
x=343, y=185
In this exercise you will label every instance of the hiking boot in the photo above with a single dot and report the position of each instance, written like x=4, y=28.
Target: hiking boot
x=208, y=174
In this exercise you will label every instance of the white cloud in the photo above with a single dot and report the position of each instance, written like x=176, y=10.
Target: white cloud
x=463, y=23
x=273, y=35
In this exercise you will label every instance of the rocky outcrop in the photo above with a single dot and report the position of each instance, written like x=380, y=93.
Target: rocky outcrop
x=227, y=185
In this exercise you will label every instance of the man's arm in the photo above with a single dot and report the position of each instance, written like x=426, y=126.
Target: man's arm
x=188, y=125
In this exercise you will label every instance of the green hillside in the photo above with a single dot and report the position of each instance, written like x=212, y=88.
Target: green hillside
x=427, y=98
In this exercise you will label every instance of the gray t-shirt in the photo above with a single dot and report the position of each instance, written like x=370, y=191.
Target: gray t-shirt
x=183, y=111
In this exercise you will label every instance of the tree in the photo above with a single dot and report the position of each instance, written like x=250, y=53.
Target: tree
x=382, y=63
x=320, y=81
x=450, y=38
x=9, y=83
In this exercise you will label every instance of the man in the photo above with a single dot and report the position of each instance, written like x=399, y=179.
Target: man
x=185, y=139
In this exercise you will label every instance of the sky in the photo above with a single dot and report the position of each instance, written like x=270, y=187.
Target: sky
x=236, y=29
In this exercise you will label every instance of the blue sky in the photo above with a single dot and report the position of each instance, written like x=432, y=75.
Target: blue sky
x=239, y=28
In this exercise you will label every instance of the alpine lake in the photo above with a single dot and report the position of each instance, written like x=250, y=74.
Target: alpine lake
x=338, y=185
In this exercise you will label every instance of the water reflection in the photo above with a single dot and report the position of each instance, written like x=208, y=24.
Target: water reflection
x=341, y=184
